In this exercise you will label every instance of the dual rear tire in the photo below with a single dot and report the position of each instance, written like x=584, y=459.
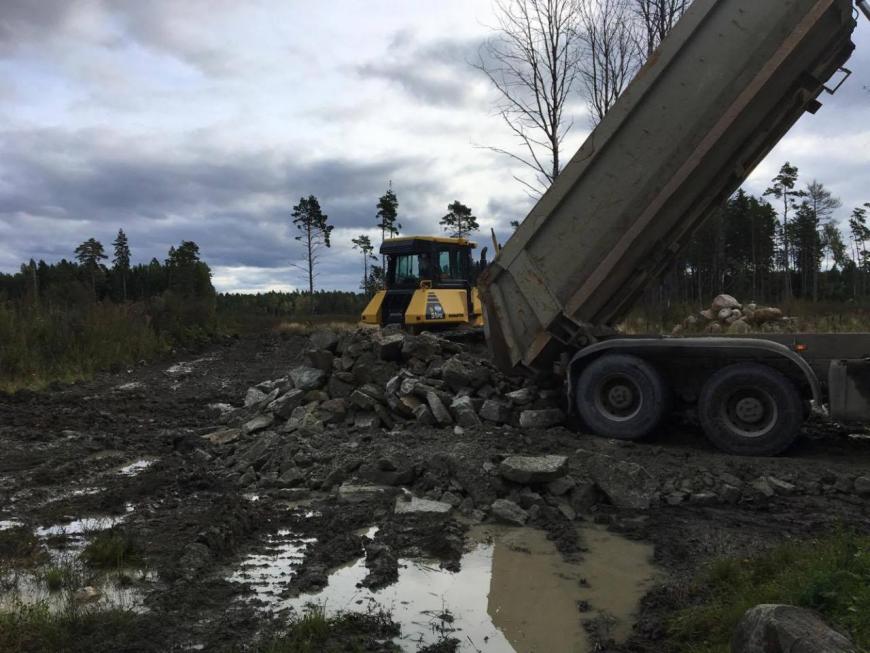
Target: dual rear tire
x=744, y=408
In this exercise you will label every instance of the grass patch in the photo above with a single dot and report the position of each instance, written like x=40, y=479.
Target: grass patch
x=830, y=575
x=350, y=632
x=20, y=547
x=111, y=549
x=60, y=577
x=29, y=628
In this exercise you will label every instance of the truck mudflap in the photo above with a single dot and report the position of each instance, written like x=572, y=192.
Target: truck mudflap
x=849, y=390
x=729, y=349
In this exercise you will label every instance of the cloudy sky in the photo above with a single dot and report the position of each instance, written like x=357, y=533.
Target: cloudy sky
x=206, y=120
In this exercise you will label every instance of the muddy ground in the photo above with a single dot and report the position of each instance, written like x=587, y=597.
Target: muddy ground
x=66, y=454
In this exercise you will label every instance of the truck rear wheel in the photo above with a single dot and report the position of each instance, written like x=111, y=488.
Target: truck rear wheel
x=750, y=409
x=620, y=396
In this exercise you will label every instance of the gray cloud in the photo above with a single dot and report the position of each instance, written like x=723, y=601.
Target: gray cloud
x=437, y=72
x=25, y=21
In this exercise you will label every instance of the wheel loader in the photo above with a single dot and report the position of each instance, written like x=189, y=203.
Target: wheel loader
x=430, y=283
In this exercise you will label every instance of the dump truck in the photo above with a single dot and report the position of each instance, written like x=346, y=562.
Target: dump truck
x=722, y=89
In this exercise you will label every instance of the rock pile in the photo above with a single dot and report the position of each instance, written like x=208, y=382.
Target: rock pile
x=727, y=315
x=370, y=378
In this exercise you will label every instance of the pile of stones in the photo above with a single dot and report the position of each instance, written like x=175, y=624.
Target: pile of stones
x=370, y=379
x=727, y=315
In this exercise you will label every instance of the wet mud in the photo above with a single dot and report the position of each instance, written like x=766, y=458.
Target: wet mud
x=222, y=565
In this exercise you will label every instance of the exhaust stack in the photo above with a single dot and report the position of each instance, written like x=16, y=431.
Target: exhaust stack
x=864, y=6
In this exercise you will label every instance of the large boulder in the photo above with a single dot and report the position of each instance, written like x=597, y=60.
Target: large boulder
x=772, y=628
x=533, y=469
x=307, y=378
x=724, y=301
x=626, y=484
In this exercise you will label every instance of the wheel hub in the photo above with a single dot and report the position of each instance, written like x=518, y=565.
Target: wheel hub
x=750, y=410
x=620, y=397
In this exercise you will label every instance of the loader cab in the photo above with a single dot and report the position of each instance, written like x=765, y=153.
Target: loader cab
x=430, y=281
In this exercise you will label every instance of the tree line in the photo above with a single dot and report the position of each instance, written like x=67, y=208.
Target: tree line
x=786, y=244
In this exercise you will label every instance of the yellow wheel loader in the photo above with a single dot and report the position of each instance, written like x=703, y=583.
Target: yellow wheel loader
x=429, y=282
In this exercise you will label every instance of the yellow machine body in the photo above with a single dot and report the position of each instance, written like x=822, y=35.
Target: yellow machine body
x=430, y=283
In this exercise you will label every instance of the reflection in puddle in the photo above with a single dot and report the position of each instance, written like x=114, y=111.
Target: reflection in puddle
x=105, y=592
x=268, y=572
x=136, y=466
x=514, y=591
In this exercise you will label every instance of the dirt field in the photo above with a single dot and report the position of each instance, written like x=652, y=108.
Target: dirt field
x=127, y=451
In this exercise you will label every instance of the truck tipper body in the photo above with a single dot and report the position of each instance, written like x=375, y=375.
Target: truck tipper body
x=722, y=89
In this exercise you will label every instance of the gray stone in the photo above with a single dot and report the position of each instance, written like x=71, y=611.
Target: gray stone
x=324, y=339
x=293, y=477
x=439, y=410
x=363, y=399
x=729, y=494
x=522, y=396
x=353, y=493
x=541, y=419
x=844, y=484
x=307, y=378
x=862, y=486
x=626, y=484
x=772, y=628
x=332, y=410
x=254, y=396
x=389, y=347
x=284, y=405
x=454, y=500
x=415, y=505
x=762, y=486
x=495, y=411
x=533, y=469
x=366, y=421
x=508, y=512
x=222, y=436
x=584, y=496
x=320, y=358
x=423, y=415
x=780, y=487
x=725, y=301
x=561, y=486
x=258, y=423
x=424, y=347
x=462, y=409
x=338, y=388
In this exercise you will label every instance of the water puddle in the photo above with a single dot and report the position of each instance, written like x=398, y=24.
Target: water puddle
x=185, y=368
x=268, y=572
x=6, y=524
x=137, y=466
x=514, y=591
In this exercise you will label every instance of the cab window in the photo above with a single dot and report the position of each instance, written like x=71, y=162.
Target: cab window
x=450, y=263
x=407, y=267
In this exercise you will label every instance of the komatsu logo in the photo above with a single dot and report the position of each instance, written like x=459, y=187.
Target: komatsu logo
x=434, y=310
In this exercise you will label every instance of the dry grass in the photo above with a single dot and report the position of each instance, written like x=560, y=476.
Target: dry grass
x=307, y=326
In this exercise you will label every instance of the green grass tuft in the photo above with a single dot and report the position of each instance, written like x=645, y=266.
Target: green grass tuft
x=20, y=547
x=112, y=549
x=349, y=632
x=830, y=575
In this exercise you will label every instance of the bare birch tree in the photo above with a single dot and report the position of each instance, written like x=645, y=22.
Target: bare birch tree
x=533, y=63
x=611, y=55
x=657, y=18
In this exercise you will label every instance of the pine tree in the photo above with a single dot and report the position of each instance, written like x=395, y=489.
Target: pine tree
x=823, y=204
x=314, y=235
x=89, y=254
x=783, y=188
x=388, y=217
x=459, y=221
x=364, y=244
x=122, y=260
